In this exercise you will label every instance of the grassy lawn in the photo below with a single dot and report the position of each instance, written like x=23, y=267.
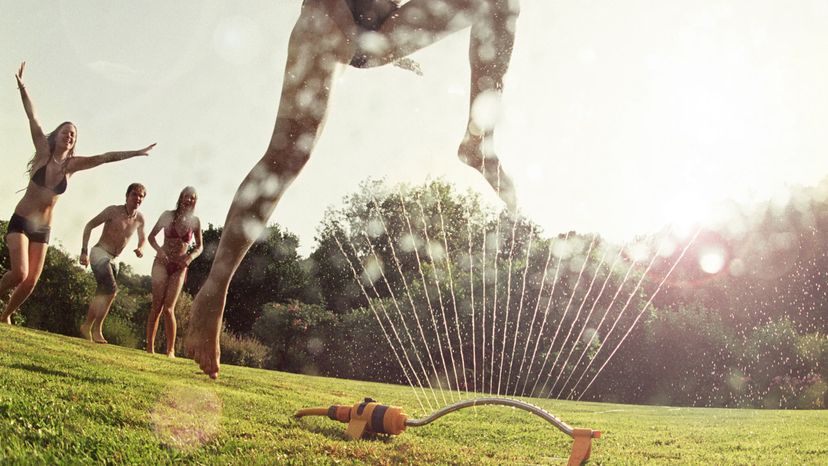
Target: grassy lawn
x=64, y=400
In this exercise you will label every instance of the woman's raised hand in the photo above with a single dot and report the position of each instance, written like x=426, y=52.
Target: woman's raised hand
x=145, y=150
x=19, y=76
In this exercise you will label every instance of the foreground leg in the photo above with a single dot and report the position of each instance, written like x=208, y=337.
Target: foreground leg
x=317, y=48
x=490, y=50
x=420, y=23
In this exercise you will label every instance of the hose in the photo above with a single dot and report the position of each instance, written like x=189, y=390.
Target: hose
x=563, y=427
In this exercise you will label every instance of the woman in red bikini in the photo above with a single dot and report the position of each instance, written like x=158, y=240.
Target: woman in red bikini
x=53, y=163
x=182, y=244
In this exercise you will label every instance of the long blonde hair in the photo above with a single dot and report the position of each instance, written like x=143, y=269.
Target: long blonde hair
x=51, y=138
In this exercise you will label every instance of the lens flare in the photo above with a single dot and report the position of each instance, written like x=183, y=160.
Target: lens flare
x=186, y=417
x=712, y=260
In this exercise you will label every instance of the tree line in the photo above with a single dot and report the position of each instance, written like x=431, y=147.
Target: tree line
x=427, y=286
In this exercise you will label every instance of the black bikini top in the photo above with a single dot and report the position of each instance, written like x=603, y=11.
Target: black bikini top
x=370, y=14
x=39, y=178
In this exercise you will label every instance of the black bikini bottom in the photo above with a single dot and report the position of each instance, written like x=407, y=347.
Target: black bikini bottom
x=35, y=232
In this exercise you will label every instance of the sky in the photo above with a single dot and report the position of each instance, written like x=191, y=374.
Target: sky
x=617, y=118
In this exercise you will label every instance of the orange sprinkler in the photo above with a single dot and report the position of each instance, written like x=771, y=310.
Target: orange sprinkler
x=372, y=417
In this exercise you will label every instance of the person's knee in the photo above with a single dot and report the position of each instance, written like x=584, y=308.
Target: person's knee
x=282, y=161
x=17, y=274
x=470, y=153
x=106, y=290
x=27, y=285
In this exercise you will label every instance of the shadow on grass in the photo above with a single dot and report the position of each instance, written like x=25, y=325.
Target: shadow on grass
x=53, y=372
x=336, y=431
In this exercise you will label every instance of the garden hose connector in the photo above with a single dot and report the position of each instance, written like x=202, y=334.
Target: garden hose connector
x=365, y=417
x=582, y=445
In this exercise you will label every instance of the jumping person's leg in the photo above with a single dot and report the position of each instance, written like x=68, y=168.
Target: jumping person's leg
x=35, y=257
x=420, y=23
x=490, y=50
x=319, y=45
x=18, y=245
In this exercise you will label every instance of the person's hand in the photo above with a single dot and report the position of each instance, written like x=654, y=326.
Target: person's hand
x=19, y=76
x=145, y=150
x=83, y=259
x=181, y=261
x=139, y=252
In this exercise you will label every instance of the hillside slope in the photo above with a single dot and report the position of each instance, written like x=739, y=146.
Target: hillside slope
x=64, y=400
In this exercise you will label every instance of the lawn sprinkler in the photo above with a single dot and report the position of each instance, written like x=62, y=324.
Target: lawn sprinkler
x=371, y=417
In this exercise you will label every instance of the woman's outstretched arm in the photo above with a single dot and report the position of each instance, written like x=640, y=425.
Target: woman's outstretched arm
x=38, y=138
x=84, y=163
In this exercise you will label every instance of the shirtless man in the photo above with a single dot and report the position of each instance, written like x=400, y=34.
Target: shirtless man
x=120, y=222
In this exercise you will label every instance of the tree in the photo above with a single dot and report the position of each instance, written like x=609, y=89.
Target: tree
x=272, y=271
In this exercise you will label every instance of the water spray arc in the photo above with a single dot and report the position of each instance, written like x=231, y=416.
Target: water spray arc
x=368, y=416
x=441, y=301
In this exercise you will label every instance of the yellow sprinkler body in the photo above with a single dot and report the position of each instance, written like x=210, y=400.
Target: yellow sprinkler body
x=372, y=417
x=362, y=418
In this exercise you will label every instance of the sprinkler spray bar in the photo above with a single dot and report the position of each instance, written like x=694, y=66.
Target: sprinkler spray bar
x=369, y=416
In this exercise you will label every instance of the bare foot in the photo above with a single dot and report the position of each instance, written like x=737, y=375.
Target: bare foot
x=99, y=338
x=84, y=331
x=7, y=320
x=171, y=355
x=478, y=153
x=202, y=340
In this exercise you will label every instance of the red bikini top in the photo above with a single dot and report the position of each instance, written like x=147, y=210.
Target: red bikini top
x=171, y=232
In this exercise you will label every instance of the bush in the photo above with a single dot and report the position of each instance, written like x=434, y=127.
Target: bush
x=242, y=351
x=357, y=349
x=689, y=353
x=295, y=334
x=784, y=367
x=120, y=332
x=183, y=311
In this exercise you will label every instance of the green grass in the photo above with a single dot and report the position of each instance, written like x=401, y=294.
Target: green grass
x=67, y=401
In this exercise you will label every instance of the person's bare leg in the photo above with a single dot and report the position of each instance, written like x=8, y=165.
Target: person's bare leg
x=98, y=307
x=420, y=23
x=490, y=50
x=104, y=304
x=169, y=330
x=319, y=46
x=30, y=263
x=174, y=285
x=18, y=245
x=159, y=290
